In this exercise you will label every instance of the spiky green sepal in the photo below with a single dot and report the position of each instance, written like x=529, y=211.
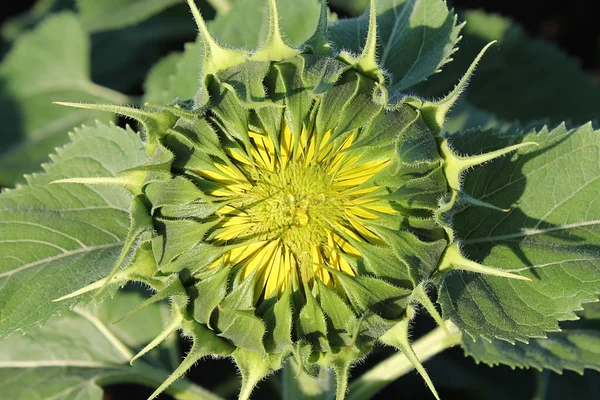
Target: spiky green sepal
x=367, y=63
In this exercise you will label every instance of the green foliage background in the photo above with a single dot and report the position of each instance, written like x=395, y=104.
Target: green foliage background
x=92, y=51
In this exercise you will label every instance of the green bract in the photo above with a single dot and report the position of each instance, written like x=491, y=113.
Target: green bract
x=294, y=208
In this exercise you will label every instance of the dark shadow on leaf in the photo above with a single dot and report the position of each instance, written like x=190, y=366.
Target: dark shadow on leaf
x=557, y=88
x=491, y=220
x=121, y=58
x=401, y=41
x=515, y=239
x=12, y=133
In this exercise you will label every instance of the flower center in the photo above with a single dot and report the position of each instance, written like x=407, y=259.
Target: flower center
x=296, y=204
x=294, y=212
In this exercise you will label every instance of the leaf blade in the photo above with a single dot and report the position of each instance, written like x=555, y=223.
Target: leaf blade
x=571, y=349
x=557, y=87
x=114, y=14
x=56, y=239
x=76, y=353
x=416, y=38
x=247, y=22
x=50, y=63
x=550, y=235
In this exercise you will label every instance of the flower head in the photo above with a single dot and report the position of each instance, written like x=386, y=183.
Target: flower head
x=289, y=209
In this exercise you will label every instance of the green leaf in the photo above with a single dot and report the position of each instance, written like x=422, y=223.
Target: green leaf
x=70, y=340
x=247, y=23
x=571, y=349
x=114, y=14
x=55, y=239
x=298, y=385
x=464, y=115
x=576, y=347
x=138, y=329
x=65, y=358
x=175, y=76
x=48, y=64
x=353, y=7
x=158, y=82
x=87, y=335
x=74, y=354
x=557, y=88
x=415, y=38
x=61, y=383
x=139, y=47
x=13, y=27
x=551, y=234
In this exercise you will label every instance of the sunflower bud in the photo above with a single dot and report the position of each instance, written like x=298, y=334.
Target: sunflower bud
x=290, y=211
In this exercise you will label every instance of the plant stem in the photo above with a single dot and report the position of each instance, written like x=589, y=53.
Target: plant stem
x=148, y=375
x=387, y=371
x=543, y=379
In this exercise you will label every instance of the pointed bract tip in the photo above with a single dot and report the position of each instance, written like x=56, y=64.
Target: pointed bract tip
x=200, y=23
x=452, y=259
x=455, y=165
x=420, y=295
x=130, y=181
x=451, y=98
x=178, y=111
x=366, y=62
x=466, y=199
x=275, y=47
x=65, y=103
x=370, y=47
x=318, y=42
x=397, y=337
x=172, y=289
x=196, y=353
x=85, y=289
x=434, y=113
x=172, y=326
x=137, y=309
x=217, y=57
x=153, y=122
x=112, y=108
x=274, y=17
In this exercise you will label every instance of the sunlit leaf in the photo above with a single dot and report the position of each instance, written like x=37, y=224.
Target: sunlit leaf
x=51, y=63
x=66, y=236
x=550, y=234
